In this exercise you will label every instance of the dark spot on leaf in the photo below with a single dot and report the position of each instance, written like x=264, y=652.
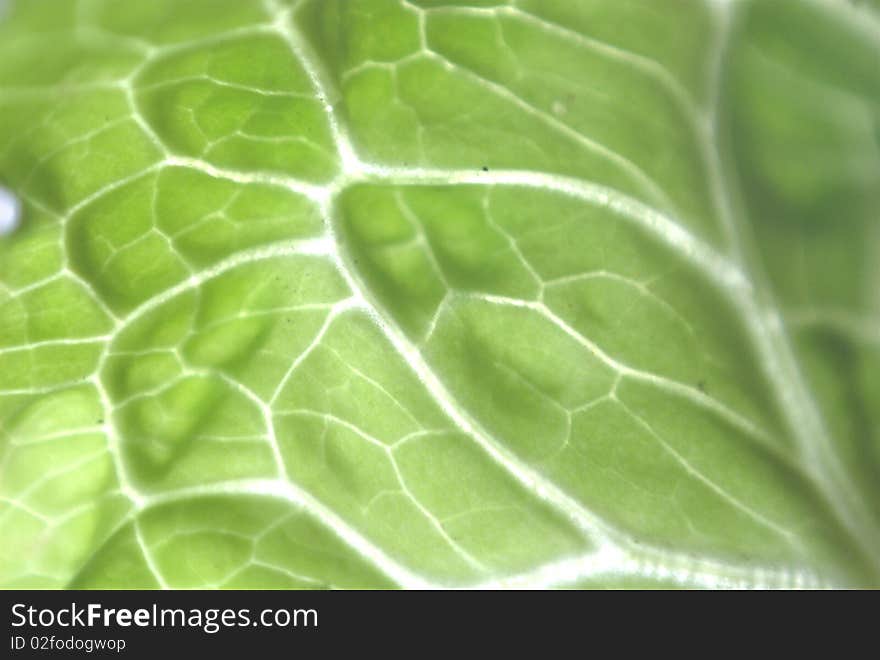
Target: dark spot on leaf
x=485, y=169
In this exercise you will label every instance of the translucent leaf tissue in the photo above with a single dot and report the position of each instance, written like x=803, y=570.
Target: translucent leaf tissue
x=439, y=293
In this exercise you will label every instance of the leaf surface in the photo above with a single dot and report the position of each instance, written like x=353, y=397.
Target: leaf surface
x=373, y=293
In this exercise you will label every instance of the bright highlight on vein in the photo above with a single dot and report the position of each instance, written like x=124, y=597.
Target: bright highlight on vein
x=10, y=212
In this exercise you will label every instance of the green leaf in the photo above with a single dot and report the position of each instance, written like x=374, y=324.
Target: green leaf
x=379, y=293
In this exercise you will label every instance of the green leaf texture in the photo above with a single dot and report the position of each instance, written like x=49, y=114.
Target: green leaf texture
x=440, y=293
